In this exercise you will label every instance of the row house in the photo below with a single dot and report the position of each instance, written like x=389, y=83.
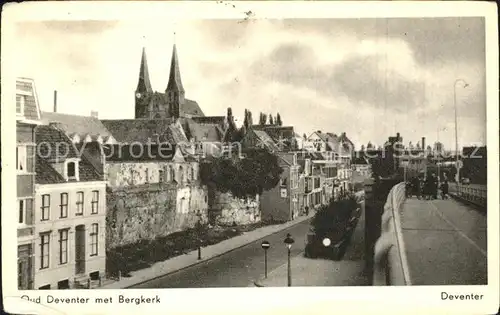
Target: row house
x=27, y=119
x=283, y=202
x=312, y=179
x=69, y=216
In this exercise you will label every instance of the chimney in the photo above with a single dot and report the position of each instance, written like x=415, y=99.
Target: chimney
x=94, y=114
x=423, y=143
x=55, y=101
x=319, y=131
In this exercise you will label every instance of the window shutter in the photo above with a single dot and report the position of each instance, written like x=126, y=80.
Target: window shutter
x=29, y=211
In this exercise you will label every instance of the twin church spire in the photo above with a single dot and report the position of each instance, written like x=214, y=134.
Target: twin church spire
x=149, y=107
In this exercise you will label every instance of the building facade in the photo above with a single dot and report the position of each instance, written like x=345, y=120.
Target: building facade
x=27, y=119
x=70, y=216
x=282, y=203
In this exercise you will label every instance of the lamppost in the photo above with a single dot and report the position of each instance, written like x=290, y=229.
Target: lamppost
x=265, y=245
x=289, y=241
x=199, y=232
x=465, y=84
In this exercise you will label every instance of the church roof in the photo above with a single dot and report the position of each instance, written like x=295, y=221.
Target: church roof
x=144, y=83
x=174, y=80
x=168, y=129
x=138, y=130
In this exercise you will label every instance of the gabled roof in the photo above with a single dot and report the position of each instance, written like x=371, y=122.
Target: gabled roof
x=265, y=139
x=287, y=157
x=31, y=107
x=53, y=144
x=46, y=174
x=75, y=124
x=204, y=132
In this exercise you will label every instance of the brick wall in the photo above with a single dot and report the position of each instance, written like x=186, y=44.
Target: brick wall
x=227, y=210
x=149, y=211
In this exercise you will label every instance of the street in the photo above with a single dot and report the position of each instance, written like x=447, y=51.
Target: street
x=236, y=268
x=445, y=242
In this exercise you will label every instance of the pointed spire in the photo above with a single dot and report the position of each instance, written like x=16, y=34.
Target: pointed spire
x=144, y=85
x=174, y=81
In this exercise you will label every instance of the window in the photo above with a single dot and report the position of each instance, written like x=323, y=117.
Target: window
x=181, y=175
x=22, y=212
x=172, y=174
x=20, y=104
x=71, y=171
x=63, y=246
x=44, y=287
x=95, y=201
x=93, y=239
x=64, y=205
x=283, y=182
x=79, y=203
x=161, y=176
x=44, y=250
x=63, y=284
x=45, y=207
x=21, y=158
x=25, y=208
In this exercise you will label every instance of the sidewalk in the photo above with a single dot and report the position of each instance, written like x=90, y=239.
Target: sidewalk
x=323, y=272
x=181, y=262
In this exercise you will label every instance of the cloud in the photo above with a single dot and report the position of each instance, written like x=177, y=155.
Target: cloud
x=368, y=77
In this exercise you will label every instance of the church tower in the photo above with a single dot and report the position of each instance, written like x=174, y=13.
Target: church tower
x=174, y=92
x=143, y=92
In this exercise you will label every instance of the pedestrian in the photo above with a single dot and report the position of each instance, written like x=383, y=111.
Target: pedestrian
x=426, y=188
x=444, y=189
x=307, y=210
x=435, y=186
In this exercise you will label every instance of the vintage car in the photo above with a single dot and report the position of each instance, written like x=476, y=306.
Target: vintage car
x=331, y=242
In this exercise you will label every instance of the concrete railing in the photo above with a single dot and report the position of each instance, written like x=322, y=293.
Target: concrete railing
x=390, y=263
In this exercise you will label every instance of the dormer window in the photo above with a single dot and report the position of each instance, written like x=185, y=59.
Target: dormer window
x=72, y=170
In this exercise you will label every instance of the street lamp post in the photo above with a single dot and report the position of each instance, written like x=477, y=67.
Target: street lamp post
x=465, y=84
x=289, y=241
x=199, y=231
x=265, y=245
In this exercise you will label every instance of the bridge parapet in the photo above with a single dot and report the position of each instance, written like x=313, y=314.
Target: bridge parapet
x=390, y=263
x=475, y=194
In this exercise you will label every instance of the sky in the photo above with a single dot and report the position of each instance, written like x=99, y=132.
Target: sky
x=367, y=77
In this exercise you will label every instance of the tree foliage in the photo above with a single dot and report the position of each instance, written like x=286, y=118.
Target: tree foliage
x=278, y=120
x=334, y=217
x=262, y=119
x=271, y=120
x=257, y=172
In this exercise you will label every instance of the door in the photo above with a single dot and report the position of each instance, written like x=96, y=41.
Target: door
x=24, y=270
x=80, y=249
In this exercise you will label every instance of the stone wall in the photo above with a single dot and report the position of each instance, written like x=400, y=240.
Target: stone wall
x=227, y=210
x=149, y=211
